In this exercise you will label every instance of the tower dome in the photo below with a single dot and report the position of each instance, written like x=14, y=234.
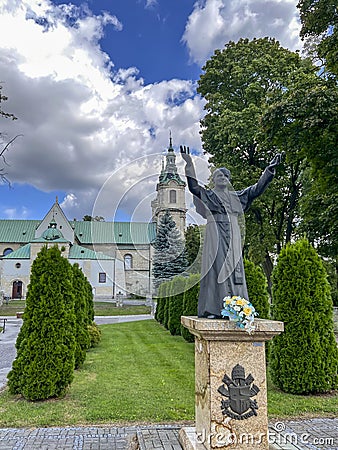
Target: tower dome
x=52, y=233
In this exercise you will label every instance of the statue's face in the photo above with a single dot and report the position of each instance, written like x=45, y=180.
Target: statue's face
x=221, y=179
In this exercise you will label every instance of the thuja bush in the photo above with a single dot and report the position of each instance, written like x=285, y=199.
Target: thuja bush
x=88, y=291
x=166, y=300
x=81, y=331
x=303, y=359
x=257, y=288
x=94, y=331
x=159, y=315
x=177, y=286
x=94, y=334
x=190, y=301
x=44, y=365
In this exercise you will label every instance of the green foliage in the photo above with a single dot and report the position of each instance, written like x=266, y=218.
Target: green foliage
x=81, y=313
x=257, y=288
x=319, y=20
x=45, y=360
x=190, y=302
x=304, y=359
x=305, y=119
x=94, y=334
x=166, y=301
x=162, y=292
x=193, y=247
x=177, y=286
x=331, y=267
x=88, y=293
x=169, y=255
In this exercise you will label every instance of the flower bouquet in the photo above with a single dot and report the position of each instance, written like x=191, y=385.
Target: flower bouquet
x=241, y=311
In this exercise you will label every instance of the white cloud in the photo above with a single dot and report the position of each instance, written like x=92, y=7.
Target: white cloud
x=15, y=213
x=69, y=202
x=213, y=23
x=151, y=4
x=80, y=118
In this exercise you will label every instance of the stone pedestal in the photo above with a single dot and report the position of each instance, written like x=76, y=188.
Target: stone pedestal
x=230, y=385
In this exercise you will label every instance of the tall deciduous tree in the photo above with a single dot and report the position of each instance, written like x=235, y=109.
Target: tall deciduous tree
x=306, y=117
x=169, y=255
x=44, y=364
x=319, y=20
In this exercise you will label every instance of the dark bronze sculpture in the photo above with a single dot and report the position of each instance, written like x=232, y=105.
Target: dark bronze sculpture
x=222, y=272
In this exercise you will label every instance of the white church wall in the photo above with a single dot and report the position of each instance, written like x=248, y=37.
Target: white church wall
x=11, y=273
x=100, y=274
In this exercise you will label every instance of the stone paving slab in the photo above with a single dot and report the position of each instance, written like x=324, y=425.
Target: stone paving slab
x=311, y=434
x=72, y=438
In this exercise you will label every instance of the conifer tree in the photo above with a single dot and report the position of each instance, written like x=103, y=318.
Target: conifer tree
x=159, y=315
x=304, y=359
x=81, y=312
x=90, y=301
x=177, y=286
x=190, y=302
x=169, y=255
x=166, y=301
x=44, y=365
x=257, y=288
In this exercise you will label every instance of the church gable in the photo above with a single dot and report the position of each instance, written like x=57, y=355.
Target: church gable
x=56, y=214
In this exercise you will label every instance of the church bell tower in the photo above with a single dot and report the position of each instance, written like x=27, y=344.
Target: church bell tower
x=170, y=192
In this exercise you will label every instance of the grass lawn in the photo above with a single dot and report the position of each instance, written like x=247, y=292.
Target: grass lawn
x=100, y=308
x=109, y=309
x=139, y=373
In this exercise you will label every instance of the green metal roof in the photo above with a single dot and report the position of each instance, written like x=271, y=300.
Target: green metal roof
x=21, y=253
x=23, y=231
x=78, y=252
x=114, y=232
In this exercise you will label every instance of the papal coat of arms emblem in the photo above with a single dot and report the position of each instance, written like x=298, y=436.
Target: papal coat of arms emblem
x=239, y=391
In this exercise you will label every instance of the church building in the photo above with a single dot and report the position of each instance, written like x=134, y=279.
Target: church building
x=116, y=257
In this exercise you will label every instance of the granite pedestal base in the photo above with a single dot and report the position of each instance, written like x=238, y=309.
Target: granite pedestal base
x=230, y=385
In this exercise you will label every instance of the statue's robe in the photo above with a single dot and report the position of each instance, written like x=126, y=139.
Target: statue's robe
x=222, y=272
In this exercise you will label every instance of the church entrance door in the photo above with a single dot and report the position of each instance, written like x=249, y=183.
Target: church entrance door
x=17, y=289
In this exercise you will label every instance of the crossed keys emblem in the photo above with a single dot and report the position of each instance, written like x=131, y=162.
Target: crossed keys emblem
x=239, y=391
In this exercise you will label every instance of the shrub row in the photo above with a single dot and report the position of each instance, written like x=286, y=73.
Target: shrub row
x=179, y=297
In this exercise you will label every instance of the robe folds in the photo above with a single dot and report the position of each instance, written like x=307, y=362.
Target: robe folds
x=222, y=272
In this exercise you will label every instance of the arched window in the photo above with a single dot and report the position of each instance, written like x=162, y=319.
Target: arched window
x=7, y=251
x=128, y=262
x=172, y=196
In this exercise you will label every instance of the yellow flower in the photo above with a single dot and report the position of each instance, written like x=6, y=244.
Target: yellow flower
x=240, y=302
x=247, y=311
x=228, y=301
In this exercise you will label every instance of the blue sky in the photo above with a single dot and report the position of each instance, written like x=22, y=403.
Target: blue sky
x=97, y=86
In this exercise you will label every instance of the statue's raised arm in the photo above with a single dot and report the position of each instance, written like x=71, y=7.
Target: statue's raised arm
x=185, y=152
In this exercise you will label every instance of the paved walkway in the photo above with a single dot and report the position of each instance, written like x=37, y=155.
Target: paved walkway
x=312, y=434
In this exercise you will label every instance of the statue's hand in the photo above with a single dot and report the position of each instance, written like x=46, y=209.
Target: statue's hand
x=185, y=152
x=275, y=162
